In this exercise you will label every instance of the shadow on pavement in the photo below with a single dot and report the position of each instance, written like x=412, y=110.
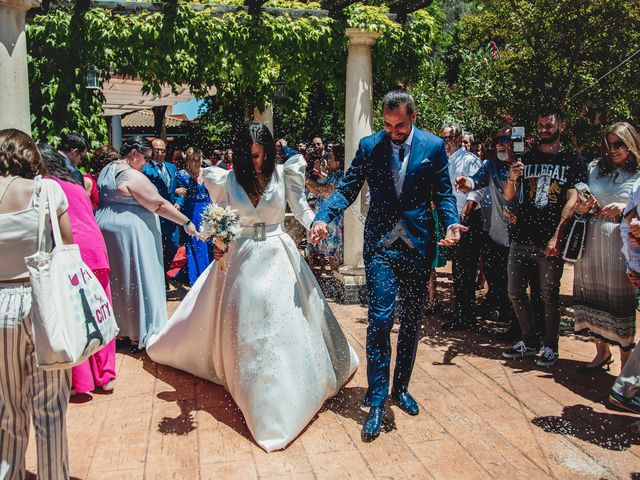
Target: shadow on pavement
x=193, y=394
x=608, y=431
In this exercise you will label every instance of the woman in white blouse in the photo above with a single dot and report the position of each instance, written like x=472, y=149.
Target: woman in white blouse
x=27, y=392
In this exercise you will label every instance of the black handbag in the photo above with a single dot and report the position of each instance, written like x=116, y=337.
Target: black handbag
x=574, y=243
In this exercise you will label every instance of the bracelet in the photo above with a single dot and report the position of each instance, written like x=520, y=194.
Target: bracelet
x=512, y=181
x=184, y=225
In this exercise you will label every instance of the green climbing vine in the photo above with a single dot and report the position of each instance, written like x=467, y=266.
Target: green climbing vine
x=243, y=55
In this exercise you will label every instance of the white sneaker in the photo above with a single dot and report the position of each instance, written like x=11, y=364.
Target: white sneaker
x=519, y=350
x=547, y=358
x=108, y=387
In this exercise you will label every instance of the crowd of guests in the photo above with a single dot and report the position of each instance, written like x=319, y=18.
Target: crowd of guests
x=132, y=209
x=523, y=207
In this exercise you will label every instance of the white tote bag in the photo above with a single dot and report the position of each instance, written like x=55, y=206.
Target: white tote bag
x=71, y=313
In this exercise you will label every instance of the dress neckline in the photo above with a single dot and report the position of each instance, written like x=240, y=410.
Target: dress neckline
x=266, y=188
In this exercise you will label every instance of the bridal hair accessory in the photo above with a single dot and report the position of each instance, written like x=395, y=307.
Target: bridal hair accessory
x=220, y=225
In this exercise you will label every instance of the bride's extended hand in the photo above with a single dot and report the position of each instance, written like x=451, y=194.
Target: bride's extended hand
x=218, y=253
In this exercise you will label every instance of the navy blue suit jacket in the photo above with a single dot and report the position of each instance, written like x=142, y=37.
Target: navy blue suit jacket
x=426, y=180
x=169, y=193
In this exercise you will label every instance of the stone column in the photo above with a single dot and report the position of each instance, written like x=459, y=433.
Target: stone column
x=265, y=117
x=358, y=124
x=14, y=78
x=116, y=131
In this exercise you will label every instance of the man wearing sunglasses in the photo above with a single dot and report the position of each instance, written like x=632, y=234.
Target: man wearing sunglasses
x=466, y=254
x=543, y=187
x=163, y=175
x=497, y=218
x=74, y=147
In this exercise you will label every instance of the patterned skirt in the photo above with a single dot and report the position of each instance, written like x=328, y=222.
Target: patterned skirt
x=604, y=299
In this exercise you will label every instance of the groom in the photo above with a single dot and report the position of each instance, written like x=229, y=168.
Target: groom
x=406, y=169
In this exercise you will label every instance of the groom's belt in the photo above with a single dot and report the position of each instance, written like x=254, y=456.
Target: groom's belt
x=258, y=230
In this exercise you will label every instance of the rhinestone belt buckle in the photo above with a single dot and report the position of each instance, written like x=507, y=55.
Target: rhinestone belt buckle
x=259, y=232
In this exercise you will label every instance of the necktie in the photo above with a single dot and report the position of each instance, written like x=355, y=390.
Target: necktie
x=401, y=157
x=164, y=174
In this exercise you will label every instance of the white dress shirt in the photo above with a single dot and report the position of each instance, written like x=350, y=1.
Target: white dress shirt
x=398, y=180
x=464, y=163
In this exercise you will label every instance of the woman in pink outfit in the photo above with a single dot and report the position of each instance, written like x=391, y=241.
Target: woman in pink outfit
x=100, y=369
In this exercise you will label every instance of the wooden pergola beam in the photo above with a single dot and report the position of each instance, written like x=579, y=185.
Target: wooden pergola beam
x=337, y=5
x=399, y=9
x=405, y=7
x=214, y=10
x=254, y=6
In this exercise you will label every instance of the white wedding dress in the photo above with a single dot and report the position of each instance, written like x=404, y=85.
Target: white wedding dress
x=263, y=330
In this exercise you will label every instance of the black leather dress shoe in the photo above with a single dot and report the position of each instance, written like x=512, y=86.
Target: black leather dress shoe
x=406, y=403
x=372, y=424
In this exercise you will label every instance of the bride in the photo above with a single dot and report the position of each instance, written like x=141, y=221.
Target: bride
x=263, y=330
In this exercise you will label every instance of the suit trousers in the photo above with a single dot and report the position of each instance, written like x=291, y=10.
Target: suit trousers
x=466, y=257
x=395, y=275
x=27, y=392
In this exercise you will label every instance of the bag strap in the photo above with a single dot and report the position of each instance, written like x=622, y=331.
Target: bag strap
x=55, y=226
x=41, y=197
x=44, y=203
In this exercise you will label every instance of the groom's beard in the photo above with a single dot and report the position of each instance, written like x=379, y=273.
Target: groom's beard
x=401, y=141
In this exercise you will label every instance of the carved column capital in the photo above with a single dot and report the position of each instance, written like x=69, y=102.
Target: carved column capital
x=21, y=4
x=358, y=36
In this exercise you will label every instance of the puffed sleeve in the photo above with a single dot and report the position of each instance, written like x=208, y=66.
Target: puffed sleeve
x=215, y=179
x=56, y=195
x=294, y=179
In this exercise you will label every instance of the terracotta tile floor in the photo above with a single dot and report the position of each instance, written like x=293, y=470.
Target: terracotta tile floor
x=481, y=417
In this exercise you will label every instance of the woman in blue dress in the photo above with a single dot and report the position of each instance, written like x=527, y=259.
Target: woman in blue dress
x=193, y=199
x=331, y=248
x=128, y=218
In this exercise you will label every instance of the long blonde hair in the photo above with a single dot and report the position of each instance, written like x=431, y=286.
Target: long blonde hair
x=631, y=139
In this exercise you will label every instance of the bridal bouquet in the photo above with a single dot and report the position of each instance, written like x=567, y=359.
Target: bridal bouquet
x=221, y=226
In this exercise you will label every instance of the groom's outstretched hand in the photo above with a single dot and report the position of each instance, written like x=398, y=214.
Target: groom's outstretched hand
x=318, y=232
x=454, y=232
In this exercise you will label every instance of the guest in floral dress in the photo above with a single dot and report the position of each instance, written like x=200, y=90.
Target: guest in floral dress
x=193, y=198
x=332, y=247
x=604, y=298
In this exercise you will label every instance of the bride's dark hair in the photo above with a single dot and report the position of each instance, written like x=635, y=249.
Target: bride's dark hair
x=253, y=133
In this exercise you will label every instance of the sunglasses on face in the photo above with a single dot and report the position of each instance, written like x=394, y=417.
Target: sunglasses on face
x=448, y=138
x=159, y=150
x=504, y=139
x=617, y=145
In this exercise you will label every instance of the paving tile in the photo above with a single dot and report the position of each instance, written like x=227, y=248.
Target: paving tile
x=223, y=437
x=291, y=461
x=326, y=434
x=447, y=459
x=339, y=465
x=133, y=474
x=173, y=442
x=235, y=470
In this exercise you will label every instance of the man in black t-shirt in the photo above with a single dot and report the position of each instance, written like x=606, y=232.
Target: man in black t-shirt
x=543, y=188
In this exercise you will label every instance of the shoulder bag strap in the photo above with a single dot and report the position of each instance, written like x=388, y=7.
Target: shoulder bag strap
x=55, y=226
x=40, y=193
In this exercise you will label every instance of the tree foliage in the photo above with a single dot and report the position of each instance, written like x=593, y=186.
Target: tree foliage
x=243, y=55
x=553, y=52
